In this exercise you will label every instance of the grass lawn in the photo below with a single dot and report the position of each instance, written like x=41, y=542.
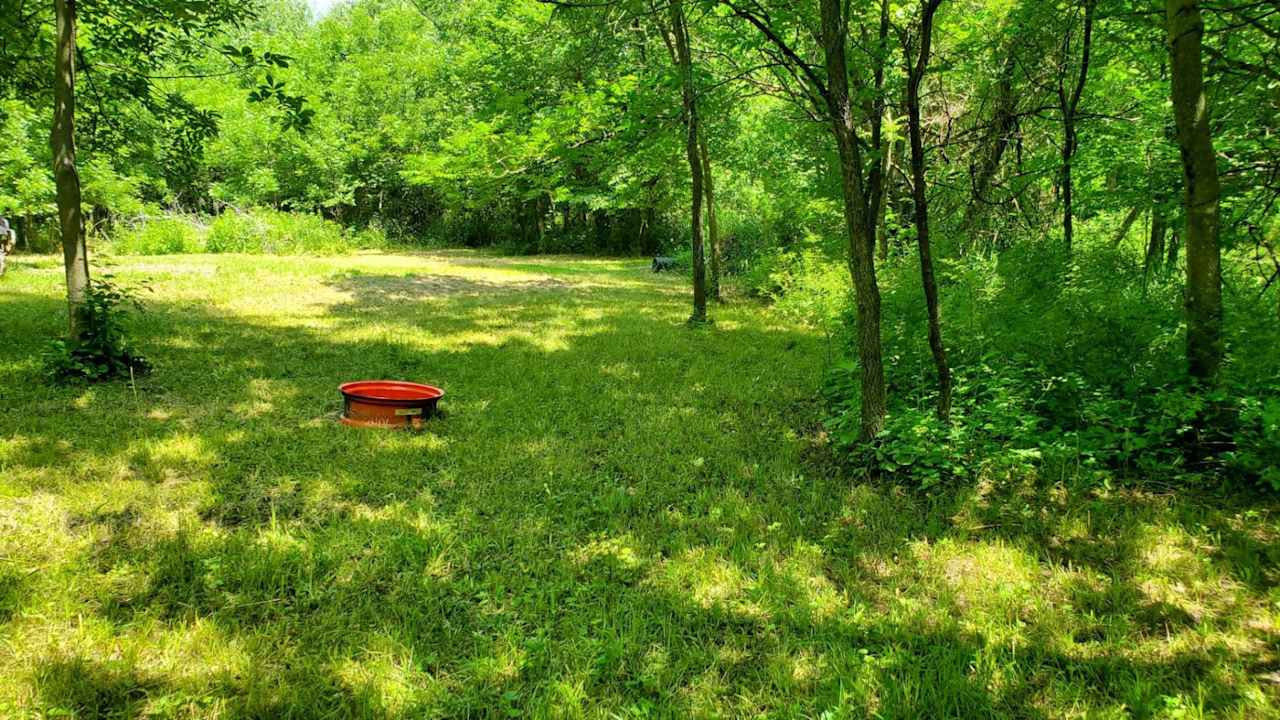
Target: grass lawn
x=619, y=517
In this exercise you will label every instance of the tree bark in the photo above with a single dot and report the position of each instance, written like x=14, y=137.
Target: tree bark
x=713, y=222
x=1123, y=232
x=857, y=217
x=66, y=179
x=1070, y=140
x=1003, y=124
x=1202, y=191
x=680, y=33
x=882, y=202
x=876, y=110
x=1155, y=243
x=1171, y=257
x=916, y=68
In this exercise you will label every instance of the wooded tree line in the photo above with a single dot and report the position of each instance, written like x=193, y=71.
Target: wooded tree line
x=809, y=57
x=880, y=131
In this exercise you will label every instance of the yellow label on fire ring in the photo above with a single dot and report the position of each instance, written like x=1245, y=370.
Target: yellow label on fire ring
x=408, y=411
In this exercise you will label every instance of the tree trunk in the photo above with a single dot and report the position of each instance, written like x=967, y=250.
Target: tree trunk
x=680, y=33
x=1069, y=106
x=1155, y=243
x=915, y=75
x=1123, y=232
x=857, y=219
x=1068, y=209
x=713, y=222
x=541, y=206
x=1200, y=179
x=66, y=179
x=651, y=238
x=882, y=202
x=1003, y=124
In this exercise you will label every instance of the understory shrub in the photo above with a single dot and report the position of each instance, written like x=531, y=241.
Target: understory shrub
x=102, y=350
x=164, y=235
x=804, y=283
x=1071, y=367
x=272, y=232
x=256, y=231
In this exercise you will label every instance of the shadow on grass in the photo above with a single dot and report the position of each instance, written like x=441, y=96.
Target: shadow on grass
x=616, y=513
x=375, y=290
x=117, y=690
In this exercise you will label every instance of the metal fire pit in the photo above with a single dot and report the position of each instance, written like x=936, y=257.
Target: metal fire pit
x=388, y=403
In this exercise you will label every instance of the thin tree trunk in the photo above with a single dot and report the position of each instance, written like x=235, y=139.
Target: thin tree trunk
x=1003, y=124
x=713, y=222
x=1200, y=176
x=541, y=206
x=650, y=235
x=680, y=33
x=876, y=109
x=66, y=178
x=1123, y=232
x=882, y=202
x=857, y=219
x=1171, y=258
x=916, y=69
x=1070, y=140
x=1155, y=243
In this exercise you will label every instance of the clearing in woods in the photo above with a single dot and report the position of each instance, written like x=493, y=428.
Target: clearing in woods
x=617, y=517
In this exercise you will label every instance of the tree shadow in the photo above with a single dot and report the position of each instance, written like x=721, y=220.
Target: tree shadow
x=374, y=291
x=615, y=512
x=84, y=689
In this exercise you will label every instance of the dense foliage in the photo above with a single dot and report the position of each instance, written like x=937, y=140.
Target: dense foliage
x=1048, y=161
x=503, y=123
x=1085, y=381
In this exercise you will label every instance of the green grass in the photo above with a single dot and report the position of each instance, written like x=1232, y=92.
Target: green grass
x=618, y=517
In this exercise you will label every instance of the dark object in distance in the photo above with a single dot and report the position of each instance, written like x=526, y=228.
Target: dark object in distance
x=662, y=264
x=388, y=403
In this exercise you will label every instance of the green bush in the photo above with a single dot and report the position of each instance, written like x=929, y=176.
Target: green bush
x=271, y=232
x=1062, y=363
x=253, y=232
x=102, y=350
x=168, y=235
x=804, y=283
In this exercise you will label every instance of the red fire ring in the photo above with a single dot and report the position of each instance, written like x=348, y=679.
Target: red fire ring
x=388, y=403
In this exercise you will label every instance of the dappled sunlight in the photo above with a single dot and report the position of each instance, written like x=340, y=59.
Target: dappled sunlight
x=978, y=576
x=388, y=674
x=799, y=586
x=500, y=666
x=611, y=506
x=611, y=555
x=179, y=456
x=708, y=580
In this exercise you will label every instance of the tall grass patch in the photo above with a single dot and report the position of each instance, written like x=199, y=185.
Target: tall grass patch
x=161, y=235
x=270, y=232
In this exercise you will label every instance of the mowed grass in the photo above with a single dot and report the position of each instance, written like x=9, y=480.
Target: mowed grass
x=618, y=517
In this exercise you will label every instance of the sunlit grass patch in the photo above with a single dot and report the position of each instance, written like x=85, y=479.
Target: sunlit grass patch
x=615, y=516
